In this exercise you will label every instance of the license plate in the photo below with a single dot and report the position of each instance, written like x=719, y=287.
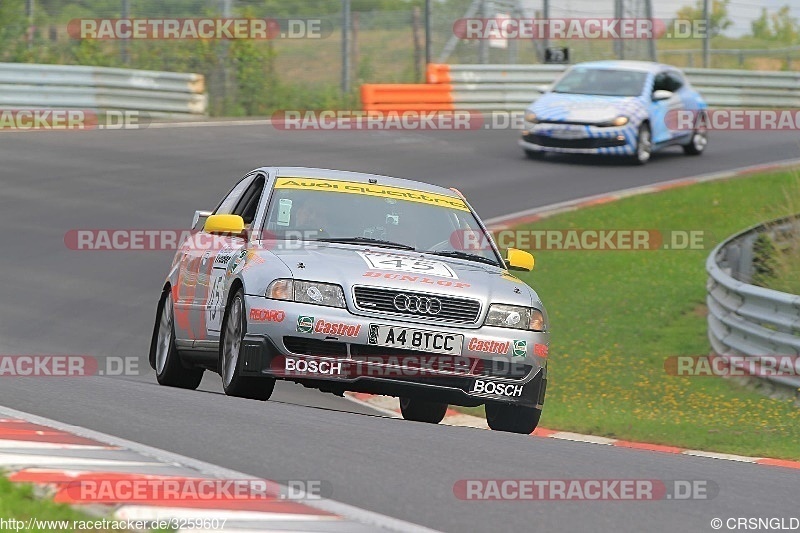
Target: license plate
x=415, y=339
x=568, y=134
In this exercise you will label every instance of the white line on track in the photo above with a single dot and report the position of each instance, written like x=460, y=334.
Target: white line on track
x=356, y=514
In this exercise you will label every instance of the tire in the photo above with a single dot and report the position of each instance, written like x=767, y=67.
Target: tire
x=644, y=145
x=534, y=154
x=422, y=411
x=230, y=364
x=699, y=141
x=170, y=371
x=512, y=418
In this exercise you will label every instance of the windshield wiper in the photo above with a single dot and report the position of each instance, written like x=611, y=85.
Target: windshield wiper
x=367, y=240
x=465, y=255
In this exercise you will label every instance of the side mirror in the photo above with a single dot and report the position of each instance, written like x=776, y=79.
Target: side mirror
x=519, y=260
x=233, y=224
x=661, y=94
x=198, y=216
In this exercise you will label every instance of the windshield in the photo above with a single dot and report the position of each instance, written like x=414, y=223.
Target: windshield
x=374, y=215
x=603, y=82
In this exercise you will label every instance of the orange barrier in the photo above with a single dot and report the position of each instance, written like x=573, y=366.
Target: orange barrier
x=407, y=97
x=436, y=95
x=438, y=73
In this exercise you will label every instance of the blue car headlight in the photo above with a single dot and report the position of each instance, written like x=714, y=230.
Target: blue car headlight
x=619, y=121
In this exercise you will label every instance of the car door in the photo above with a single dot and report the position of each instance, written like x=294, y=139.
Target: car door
x=228, y=253
x=194, y=271
x=689, y=101
x=659, y=110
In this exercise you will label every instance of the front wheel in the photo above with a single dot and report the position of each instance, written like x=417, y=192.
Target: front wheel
x=644, y=145
x=230, y=365
x=422, y=411
x=168, y=366
x=512, y=418
x=534, y=154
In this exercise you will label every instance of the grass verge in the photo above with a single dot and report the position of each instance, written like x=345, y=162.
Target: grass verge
x=19, y=502
x=617, y=315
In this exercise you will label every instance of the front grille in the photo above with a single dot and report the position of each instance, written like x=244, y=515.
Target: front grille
x=453, y=309
x=594, y=142
x=319, y=348
x=482, y=367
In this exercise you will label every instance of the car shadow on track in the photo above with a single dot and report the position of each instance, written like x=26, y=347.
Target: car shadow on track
x=604, y=160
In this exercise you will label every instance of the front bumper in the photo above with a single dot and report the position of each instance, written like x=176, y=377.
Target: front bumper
x=579, y=139
x=345, y=359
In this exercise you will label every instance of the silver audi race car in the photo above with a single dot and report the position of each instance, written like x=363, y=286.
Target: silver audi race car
x=344, y=281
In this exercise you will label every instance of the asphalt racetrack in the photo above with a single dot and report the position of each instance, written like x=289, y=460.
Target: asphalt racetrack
x=61, y=301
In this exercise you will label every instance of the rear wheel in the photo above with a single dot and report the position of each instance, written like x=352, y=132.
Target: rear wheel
x=699, y=140
x=169, y=368
x=230, y=364
x=422, y=411
x=512, y=418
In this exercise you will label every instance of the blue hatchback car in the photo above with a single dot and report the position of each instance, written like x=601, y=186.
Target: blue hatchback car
x=624, y=108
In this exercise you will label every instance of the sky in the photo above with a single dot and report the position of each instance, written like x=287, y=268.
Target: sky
x=741, y=12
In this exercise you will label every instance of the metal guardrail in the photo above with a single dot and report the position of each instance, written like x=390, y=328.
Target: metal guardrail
x=744, y=319
x=25, y=85
x=514, y=87
x=511, y=87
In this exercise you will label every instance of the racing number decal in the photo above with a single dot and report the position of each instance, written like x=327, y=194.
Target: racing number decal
x=215, y=298
x=404, y=263
x=397, y=264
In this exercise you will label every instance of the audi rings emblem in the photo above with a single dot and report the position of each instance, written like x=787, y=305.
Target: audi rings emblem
x=422, y=305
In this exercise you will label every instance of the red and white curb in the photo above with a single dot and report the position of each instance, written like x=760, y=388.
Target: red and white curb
x=58, y=458
x=391, y=406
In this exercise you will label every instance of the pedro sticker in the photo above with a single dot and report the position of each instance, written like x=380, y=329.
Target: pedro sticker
x=520, y=348
x=305, y=324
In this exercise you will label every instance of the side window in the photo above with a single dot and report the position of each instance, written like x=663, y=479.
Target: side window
x=247, y=205
x=661, y=82
x=228, y=204
x=675, y=81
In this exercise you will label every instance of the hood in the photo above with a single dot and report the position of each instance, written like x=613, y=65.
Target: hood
x=588, y=109
x=348, y=265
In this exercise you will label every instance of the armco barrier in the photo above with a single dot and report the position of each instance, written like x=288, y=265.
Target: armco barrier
x=25, y=85
x=744, y=319
x=514, y=87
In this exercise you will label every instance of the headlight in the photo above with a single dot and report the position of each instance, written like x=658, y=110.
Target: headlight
x=311, y=292
x=619, y=121
x=530, y=117
x=308, y=292
x=508, y=316
x=512, y=316
x=537, y=321
x=280, y=289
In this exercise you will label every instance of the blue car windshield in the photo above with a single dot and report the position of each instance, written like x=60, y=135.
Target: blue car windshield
x=602, y=82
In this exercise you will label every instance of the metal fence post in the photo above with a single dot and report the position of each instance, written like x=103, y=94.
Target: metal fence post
x=29, y=17
x=428, y=51
x=123, y=43
x=345, y=46
x=707, y=36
